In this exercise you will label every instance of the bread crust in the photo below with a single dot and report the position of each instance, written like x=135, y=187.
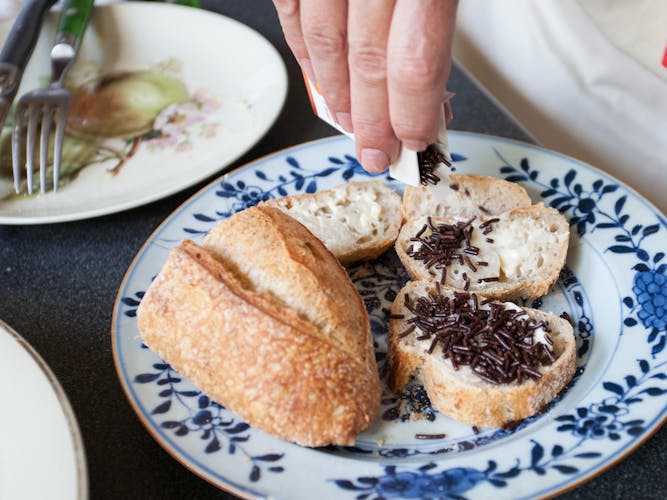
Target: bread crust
x=277, y=257
x=477, y=402
x=256, y=355
x=471, y=192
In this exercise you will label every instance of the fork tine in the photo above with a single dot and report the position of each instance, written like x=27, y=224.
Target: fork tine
x=61, y=121
x=17, y=139
x=30, y=145
x=45, y=134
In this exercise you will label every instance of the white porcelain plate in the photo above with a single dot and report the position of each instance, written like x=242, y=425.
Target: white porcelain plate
x=179, y=93
x=41, y=450
x=614, y=287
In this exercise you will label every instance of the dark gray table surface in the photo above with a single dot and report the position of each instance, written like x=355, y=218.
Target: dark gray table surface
x=58, y=284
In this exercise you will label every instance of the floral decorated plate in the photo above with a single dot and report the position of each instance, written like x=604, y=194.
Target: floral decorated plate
x=154, y=110
x=41, y=451
x=614, y=287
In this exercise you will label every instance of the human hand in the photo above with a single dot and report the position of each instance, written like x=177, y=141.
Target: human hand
x=381, y=65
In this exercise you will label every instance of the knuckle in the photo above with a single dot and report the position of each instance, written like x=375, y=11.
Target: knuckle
x=370, y=63
x=415, y=72
x=413, y=131
x=337, y=98
x=371, y=133
x=323, y=41
x=286, y=7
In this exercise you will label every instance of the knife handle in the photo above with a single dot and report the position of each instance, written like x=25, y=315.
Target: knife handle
x=73, y=20
x=24, y=33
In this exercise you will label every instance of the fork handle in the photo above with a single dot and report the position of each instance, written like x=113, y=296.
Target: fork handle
x=73, y=21
x=25, y=31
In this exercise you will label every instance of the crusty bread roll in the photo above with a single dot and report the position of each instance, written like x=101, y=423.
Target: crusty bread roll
x=356, y=220
x=510, y=255
x=464, y=194
x=459, y=393
x=264, y=319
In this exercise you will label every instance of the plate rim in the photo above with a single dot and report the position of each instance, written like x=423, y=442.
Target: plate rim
x=81, y=463
x=620, y=454
x=190, y=181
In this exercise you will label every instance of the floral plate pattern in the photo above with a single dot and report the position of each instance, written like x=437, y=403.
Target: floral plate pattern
x=614, y=287
x=229, y=100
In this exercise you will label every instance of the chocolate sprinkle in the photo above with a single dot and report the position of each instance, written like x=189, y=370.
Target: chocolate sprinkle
x=567, y=318
x=475, y=429
x=444, y=245
x=428, y=161
x=488, y=222
x=430, y=436
x=496, y=342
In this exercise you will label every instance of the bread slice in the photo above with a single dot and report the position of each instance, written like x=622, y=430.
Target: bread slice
x=264, y=320
x=356, y=220
x=520, y=255
x=461, y=394
x=464, y=194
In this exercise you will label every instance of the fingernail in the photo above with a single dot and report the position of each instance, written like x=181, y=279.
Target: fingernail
x=415, y=145
x=345, y=121
x=374, y=160
x=307, y=68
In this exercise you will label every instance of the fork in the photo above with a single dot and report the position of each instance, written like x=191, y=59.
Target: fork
x=17, y=50
x=51, y=104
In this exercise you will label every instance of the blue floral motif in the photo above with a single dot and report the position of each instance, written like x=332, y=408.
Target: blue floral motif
x=133, y=303
x=604, y=420
x=241, y=195
x=420, y=483
x=584, y=208
x=216, y=427
x=650, y=288
x=427, y=482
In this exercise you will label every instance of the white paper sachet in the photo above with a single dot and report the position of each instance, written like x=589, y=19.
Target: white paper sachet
x=406, y=167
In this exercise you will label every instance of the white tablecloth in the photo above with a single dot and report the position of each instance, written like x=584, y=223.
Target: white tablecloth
x=574, y=86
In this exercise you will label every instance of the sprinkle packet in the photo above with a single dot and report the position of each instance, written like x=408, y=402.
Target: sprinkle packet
x=407, y=166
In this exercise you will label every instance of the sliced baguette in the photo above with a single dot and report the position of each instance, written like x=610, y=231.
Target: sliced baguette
x=464, y=194
x=264, y=320
x=527, y=252
x=356, y=220
x=459, y=393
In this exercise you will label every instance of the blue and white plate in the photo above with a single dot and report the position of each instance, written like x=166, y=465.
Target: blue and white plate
x=614, y=287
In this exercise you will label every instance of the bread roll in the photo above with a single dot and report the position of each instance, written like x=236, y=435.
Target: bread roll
x=264, y=320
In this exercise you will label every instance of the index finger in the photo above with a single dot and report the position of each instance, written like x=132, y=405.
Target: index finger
x=419, y=60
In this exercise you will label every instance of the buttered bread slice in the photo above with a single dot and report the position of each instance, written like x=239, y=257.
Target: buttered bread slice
x=356, y=220
x=506, y=256
x=481, y=362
